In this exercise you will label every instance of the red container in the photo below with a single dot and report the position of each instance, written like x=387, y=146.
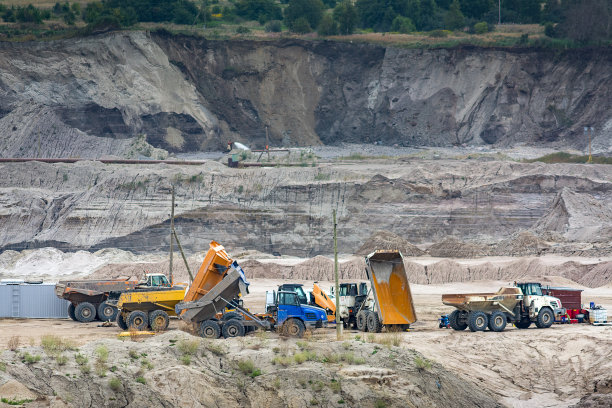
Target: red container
x=570, y=298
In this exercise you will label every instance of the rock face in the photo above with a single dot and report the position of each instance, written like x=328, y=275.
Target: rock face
x=90, y=205
x=87, y=97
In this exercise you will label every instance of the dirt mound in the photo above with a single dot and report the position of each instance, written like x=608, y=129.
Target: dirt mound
x=317, y=268
x=353, y=269
x=251, y=371
x=451, y=247
x=522, y=244
x=388, y=240
x=598, y=275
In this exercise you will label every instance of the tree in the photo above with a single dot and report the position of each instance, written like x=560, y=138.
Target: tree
x=477, y=9
x=327, y=26
x=379, y=14
x=301, y=26
x=346, y=16
x=428, y=19
x=310, y=10
x=587, y=21
x=259, y=10
x=402, y=25
x=454, y=19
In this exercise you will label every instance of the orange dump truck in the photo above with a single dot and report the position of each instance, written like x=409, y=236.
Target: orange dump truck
x=392, y=306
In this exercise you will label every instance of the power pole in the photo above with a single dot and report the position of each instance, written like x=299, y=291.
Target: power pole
x=171, y=239
x=267, y=142
x=338, y=322
x=499, y=11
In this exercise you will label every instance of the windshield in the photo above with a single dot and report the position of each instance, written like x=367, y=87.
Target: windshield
x=348, y=289
x=286, y=298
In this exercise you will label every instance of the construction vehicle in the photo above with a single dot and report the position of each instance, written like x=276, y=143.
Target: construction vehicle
x=352, y=296
x=88, y=298
x=319, y=298
x=521, y=304
x=391, y=305
x=220, y=281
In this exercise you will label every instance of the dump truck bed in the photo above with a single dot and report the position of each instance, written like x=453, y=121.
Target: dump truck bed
x=390, y=287
x=215, y=300
x=211, y=272
x=504, y=299
x=72, y=289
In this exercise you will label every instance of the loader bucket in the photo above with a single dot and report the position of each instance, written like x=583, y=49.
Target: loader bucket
x=390, y=287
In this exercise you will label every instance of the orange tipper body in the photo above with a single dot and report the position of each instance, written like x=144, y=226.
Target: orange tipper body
x=322, y=300
x=390, y=286
x=211, y=272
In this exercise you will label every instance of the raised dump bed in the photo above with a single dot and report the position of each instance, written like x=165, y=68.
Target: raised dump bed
x=393, y=305
x=504, y=299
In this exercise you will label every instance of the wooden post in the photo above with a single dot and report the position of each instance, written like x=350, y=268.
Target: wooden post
x=171, y=240
x=183, y=255
x=338, y=322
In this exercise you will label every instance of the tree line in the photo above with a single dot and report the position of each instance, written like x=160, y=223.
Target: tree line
x=583, y=21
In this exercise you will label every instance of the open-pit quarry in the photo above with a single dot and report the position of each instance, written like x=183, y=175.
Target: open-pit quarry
x=429, y=152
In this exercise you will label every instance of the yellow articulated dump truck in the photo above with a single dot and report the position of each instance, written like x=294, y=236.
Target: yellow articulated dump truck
x=391, y=304
x=143, y=308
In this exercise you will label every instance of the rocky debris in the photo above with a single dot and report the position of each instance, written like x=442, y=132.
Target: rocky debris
x=600, y=397
x=451, y=247
x=578, y=217
x=178, y=369
x=388, y=240
x=522, y=244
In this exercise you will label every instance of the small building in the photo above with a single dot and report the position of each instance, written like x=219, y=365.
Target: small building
x=570, y=298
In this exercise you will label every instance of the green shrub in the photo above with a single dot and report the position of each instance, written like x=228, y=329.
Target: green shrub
x=80, y=359
x=301, y=26
x=248, y=367
x=549, y=30
x=439, y=33
x=274, y=26
x=186, y=360
x=53, y=344
x=61, y=360
x=243, y=30
x=481, y=28
x=327, y=26
x=102, y=353
x=421, y=363
x=402, y=25
x=188, y=347
x=216, y=349
x=141, y=380
x=31, y=359
x=114, y=384
x=14, y=401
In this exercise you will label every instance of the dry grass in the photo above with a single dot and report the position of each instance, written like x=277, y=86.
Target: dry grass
x=13, y=343
x=53, y=345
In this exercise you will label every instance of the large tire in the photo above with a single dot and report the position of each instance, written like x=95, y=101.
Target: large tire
x=362, y=320
x=71, y=312
x=477, y=321
x=85, y=312
x=454, y=322
x=138, y=320
x=233, y=328
x=294, y=328
x=374, y=325
x=523, y=323
x=232, y=315
x=545, y=319
x=106, y=312
x=497, y=321
x=121, y=322
x=209, y=329
x=159, y=320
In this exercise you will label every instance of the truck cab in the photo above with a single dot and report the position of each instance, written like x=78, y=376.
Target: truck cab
x=538, y=306
x=155, y=280
x=298, y=316
x=298, y=288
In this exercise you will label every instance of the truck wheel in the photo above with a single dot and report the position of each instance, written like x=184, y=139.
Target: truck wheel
x=477, y=321
x=209, y=329
x=137, y=320
x=158, y=320
x=232, y=315
x=106, y=312
x=233, y=328
x=362, y=321
x=374, y=325
x=545, y=318
x=121, y=322
x=523, y=323
x=454, y=321
x=497, y=321
x=294, y=328
x=71, y=312
x=85, y=312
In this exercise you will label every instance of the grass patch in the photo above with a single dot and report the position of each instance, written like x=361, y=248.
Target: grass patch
x=186, y=359
x=563, y=157
x=102, y=353
x=85, y=369
x=335, y=386
x=304, y=356
x=141, y=380
x=216, y=348
x=322, y=176
x=2, y=366
x=421, y=363
x=81, y=359
x=188, y=347
x=31, y=359
x=284, y=361
x=14, y=401
x=114, y=384
x=146, y=364
x=61, y=360
x=247, y=367
x=54, y=344
x=13, y=343
x=133, y=354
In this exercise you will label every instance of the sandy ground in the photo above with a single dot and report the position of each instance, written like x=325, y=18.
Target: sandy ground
x=523, y=368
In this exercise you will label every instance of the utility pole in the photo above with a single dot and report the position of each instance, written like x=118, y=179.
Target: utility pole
x=267, y=141
x=499, y=11
x=171, y=238
x=338, y=322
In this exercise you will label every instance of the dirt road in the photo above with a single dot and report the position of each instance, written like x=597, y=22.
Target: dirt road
x=523, y=368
